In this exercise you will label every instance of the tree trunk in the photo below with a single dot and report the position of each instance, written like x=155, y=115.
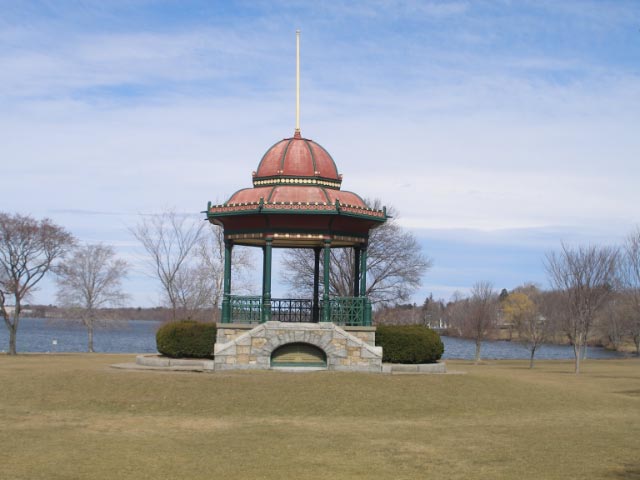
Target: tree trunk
x=533, y=352
x=478, y=345
x=584, y=351
x=90, y=333
x=576, y=352
x=13, y=330
x=13, y=326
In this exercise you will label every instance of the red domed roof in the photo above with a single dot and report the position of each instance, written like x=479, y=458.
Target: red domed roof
x=297, y=158
x=297, y=194
x=296, y=197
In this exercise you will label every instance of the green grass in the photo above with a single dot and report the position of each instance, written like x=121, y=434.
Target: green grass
x=73, y=417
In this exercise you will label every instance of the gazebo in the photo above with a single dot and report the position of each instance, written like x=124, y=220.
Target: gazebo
x=296, y=201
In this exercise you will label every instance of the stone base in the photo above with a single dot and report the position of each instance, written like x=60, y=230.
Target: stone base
x=250, y=347
x=161, y=361
x=439, y=367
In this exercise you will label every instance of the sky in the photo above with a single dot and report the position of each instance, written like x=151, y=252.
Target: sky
x=497, y=129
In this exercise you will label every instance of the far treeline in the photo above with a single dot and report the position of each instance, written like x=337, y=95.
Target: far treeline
x=595, y=296
x=595, y=300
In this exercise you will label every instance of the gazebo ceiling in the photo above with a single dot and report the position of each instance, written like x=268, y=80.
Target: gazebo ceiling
x=296, y=201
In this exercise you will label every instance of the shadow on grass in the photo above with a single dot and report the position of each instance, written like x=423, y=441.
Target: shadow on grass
x=631, y=393
x=628, y=472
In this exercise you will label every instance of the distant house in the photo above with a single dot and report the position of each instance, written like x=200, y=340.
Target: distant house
x=25, y=312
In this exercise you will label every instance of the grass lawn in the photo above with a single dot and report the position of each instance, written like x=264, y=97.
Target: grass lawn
x=74, y=417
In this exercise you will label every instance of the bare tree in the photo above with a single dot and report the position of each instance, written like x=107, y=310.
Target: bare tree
x=630, y=270
x=615, y=320
x=585, y=278
x=199, y=284
x=209, y=271
x=433, y=312
x=395, y=265
x=402, y=314
x=90, y=280
x=475, y=316
x=169, y=239
x=28, y=249
x=483, y=313
x=521, y=308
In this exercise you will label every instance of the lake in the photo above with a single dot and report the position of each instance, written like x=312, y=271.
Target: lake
x=41, y=335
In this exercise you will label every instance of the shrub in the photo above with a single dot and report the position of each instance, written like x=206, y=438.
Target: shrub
x=186, y=338
x=409, y=344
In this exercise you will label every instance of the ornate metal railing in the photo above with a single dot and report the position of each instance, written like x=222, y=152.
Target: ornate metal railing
x=348, y=311
x=245, y=309
x=291, y=310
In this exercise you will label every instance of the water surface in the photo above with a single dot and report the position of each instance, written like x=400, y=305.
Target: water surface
x=139, y=336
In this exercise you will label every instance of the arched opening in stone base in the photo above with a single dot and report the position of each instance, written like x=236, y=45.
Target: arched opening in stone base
x=299, y=355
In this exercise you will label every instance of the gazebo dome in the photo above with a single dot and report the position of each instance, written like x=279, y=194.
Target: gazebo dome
x=300, y=159
x=296, y=200
x=298, y=172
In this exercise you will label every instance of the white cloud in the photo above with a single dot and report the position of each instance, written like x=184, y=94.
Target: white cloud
x=448, y=123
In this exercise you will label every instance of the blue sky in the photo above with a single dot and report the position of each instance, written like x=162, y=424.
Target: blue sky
x=497, y=129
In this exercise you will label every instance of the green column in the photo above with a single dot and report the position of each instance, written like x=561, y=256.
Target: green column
x=264, y=266
x=366, y=310
x=316, y=284
x=326, y=311
x=226, y=305
x=363, y=272
x=266, y=281
x=356, y=267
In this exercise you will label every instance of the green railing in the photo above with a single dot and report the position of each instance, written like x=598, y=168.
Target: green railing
x=346, y=311
x=350, y=311
x=245, y=309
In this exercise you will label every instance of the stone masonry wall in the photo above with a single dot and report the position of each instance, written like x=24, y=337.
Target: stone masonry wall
x=238, y=347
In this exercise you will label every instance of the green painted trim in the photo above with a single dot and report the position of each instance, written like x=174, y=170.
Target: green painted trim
x=356, y=277
x=266, y=210
x=226, y=306
x=296, y=230
x=273, y=189
x=326, y=195
x=313, y=158
x=329, y=155
x=266, y=279
x=363, y=272
x=230, y=214
x=284, y=154
x=326, y=311
x=268, y=150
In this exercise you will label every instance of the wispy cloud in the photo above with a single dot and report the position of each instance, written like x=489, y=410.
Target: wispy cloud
x=471, y=118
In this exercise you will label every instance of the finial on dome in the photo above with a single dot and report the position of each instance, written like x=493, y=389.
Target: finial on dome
x=297, y=132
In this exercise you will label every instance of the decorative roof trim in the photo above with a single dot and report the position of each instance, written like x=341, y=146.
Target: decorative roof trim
x=291, y=180
x=297, y=207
